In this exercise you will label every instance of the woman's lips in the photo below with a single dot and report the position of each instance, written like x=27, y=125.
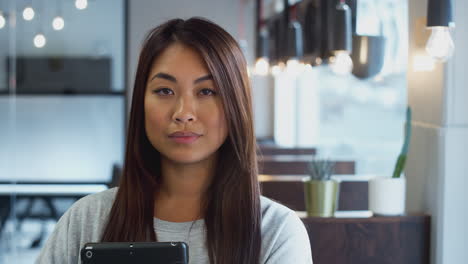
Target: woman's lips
x=184, y=134
x=185, y=140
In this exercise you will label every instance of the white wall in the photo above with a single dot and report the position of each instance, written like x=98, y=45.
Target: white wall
x=437, y=165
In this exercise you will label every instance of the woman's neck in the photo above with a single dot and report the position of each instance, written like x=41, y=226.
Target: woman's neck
x=183, y=190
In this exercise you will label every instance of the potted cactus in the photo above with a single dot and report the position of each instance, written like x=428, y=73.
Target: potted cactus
x=387, y=194
x=321, y=192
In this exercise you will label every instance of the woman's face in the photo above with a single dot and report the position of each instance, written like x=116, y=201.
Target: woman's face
x=181, y=96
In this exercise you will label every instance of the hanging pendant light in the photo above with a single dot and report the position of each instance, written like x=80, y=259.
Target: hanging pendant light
x=439, y=20
x=39, y=40
x=262, y=65
x=81, y=4
x=58, y=23
x=28, y=13
x=2, y=20
x=295, y=47
x=341, y=46
x=277, y=41
x=295, y=43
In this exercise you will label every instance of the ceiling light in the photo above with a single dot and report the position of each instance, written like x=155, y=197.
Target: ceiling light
x=39, y=40
x=439, y=20
x=2, y=20
x=341, y=45
x=262, y=64
x=58, y=23
x=28, y=13
x=81, y=4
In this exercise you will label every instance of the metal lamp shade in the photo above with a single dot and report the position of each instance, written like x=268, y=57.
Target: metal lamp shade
x=295, y=48
x=439, y=13
x=313, y=30
x=368, y=55
x=262, y=44
x=342, y=28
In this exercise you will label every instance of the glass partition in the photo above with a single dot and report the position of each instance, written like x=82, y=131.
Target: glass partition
x=62, y=112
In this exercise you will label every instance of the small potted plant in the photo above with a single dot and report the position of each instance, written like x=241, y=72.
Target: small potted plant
x=387, y=194
x=321, y=192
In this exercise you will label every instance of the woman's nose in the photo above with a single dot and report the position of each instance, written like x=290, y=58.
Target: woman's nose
x=184, y=111
x=183, y=119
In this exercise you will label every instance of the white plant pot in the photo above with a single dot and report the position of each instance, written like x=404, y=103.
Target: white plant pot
x=387, y=195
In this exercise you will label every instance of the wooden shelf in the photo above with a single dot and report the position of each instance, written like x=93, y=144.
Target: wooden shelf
x=373, y=240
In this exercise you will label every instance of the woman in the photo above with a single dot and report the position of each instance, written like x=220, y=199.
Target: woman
x=190, y=170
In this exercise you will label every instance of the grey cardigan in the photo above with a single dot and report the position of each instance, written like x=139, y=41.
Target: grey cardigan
x=284, y=237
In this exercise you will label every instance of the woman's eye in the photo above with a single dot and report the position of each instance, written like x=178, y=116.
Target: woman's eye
x=163, y=91
x=207, y=91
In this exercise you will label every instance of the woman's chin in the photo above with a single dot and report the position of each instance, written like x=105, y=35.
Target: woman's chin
x=186, y=158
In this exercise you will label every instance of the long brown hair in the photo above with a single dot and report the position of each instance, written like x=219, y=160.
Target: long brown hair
x=232, y=212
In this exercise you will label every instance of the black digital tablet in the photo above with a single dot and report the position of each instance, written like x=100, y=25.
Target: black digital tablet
x=135, y=252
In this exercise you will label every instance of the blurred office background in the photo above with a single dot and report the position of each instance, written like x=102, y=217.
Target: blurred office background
x=66, y=78
x=62, y=111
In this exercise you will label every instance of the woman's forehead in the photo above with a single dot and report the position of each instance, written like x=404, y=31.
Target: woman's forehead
x=180, y=58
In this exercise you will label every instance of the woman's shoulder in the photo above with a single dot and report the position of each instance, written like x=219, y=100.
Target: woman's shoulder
x=86, y=218
x=96, y=203
x=278, y=218
x=100, y=197
x=83, y=222
x=284, y=236
x=273, y=209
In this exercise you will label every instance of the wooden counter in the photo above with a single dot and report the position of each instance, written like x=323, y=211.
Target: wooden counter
x=374, y=240
x=297, y=164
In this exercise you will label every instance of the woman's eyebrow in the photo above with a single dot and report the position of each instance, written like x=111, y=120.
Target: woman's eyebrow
x=204, y=78
x=165, y=76
x=171, y=78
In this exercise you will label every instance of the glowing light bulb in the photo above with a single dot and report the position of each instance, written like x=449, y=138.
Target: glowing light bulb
x=28, y=13
x=307, y=68
x=39, y=41
x=58, y=23
x=2, y=20
x=293, y=66
x=318, y=61
x=261, y=66
x=440, y=44
x=277, y=69
x=81, y=4
x=341, y=63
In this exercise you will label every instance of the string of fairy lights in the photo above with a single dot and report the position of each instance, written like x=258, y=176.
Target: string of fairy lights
x=29, y=14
